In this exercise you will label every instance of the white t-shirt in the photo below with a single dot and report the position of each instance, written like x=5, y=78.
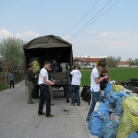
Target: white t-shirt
x=43, y=73
x=76, y=77
x=94, y=86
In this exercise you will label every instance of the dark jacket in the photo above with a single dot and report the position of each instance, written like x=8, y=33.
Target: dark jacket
x=103, y=83
x=31, y=75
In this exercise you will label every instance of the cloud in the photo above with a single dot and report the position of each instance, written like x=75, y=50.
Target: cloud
x=4, y=33
x=26, y=36
x=123, y=44
x=66, y=37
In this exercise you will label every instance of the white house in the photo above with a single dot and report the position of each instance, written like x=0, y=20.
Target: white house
x=86, y=62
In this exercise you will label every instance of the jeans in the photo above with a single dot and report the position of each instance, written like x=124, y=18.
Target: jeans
x=44, y=96
x=95, y=97
x=74, y=94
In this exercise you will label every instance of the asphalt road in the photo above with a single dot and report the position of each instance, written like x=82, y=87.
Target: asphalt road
x=20, y=120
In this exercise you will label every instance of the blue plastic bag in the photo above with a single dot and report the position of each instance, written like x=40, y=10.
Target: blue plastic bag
x=133, y=135
x=107, y=90
x=96, y=125
x=119, y=108
x=110, y=127
x=91, y=117
x=103, y=111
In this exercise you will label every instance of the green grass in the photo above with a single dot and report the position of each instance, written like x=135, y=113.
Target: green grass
x=3, y=87
x=118, y=74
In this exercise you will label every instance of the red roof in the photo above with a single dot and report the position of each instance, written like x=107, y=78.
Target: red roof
x=123, y=63
x=89, y=59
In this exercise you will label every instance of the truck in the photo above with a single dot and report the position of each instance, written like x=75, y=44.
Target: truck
x=59, y=52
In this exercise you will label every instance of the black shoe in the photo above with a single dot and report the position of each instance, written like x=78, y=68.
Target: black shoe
x=31, y=102
x=50, y=115
x=87, y=119
x=78, y=104
x=41, y=113
x=67, y=101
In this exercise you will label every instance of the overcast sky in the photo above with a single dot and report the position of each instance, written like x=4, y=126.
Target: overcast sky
x=94, y=27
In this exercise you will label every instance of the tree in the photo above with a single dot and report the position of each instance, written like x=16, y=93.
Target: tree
x=11, y=52
x=136, y=61
x=130, y=61
x=112, y=61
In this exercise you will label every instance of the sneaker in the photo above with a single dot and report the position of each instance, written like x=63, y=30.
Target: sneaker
x=50, y=115
x=78, y=104
x=87, y=119
x=41, y=113
x=31, y=102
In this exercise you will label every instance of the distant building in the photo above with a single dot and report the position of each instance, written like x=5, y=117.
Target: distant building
x=123, y=64
x=86, y=62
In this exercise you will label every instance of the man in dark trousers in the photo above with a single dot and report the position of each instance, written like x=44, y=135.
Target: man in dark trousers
x=44, y=83
x=11, y=78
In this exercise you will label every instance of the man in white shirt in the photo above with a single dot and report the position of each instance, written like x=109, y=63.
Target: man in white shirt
x=75, y=85
x=95, y=86
x=44, y=83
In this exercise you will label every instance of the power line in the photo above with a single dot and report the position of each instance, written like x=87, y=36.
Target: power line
x=91, y=18
x=88, y=23
x=82, y=17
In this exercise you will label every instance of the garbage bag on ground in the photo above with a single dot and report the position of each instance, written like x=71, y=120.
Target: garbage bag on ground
x=114, y=96
x=91, y=117
x=86, y=94
x=118, y=88
x=119, y=95
x=108, y=89
x=129, y=121
x=109, y=127
x=119, y=108
x=103, y=111
x=133, y=135
x=96, y=125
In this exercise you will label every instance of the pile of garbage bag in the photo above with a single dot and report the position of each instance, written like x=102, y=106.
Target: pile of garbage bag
x=116, y=116
x=56, y=66
x=86, y=94
x=35, y=66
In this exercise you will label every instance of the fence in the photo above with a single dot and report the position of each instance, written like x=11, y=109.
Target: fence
x=4, y=79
